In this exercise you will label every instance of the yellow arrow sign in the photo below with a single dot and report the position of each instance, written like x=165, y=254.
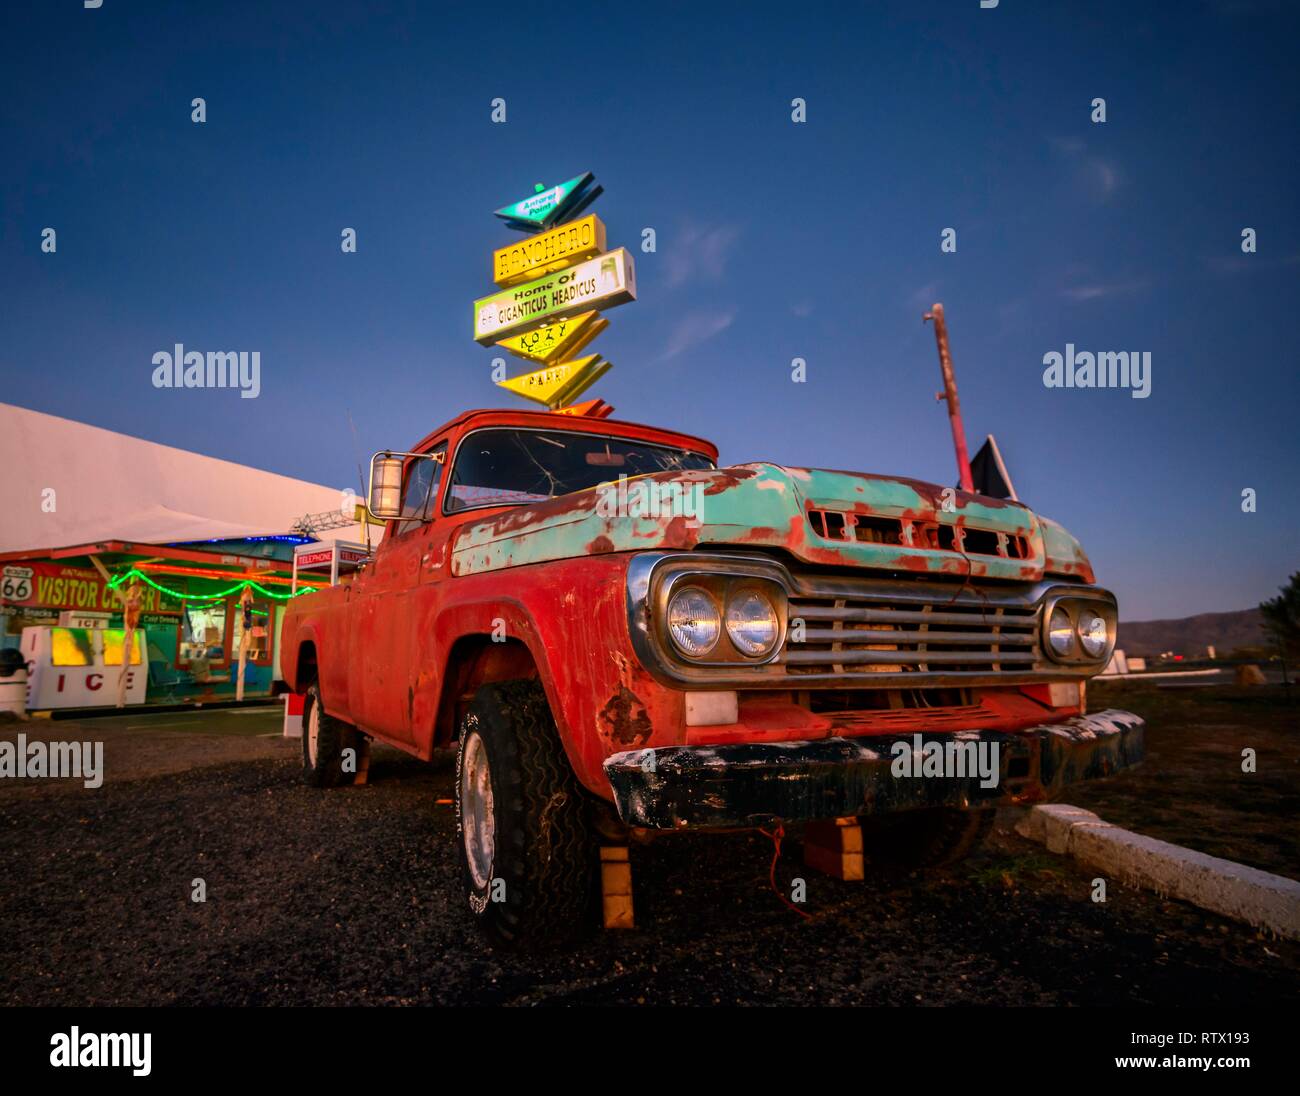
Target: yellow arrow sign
x=537, y=255
x=557, y=385
x=553, y=342
x=581, y=381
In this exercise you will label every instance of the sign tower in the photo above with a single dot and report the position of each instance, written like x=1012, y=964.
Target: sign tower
x=553, y=287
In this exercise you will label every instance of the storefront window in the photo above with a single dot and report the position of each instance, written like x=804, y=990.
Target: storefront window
x=259, y=634
x=203, y=632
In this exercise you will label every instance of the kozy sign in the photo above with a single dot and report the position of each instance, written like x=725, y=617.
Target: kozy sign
x=602, y=282
x=553, y=342
x=538, y=254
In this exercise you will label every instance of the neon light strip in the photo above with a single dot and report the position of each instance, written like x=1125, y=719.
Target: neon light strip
x=219, y=596
x=200, y=572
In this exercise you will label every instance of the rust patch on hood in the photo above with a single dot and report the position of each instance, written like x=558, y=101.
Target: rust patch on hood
x=726, y=478
x=682, y=532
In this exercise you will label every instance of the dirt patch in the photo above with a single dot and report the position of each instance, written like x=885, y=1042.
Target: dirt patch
x=138, y=745
x=353, y=896
x=1191, y=789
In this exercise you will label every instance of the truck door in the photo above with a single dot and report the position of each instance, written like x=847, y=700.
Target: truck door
x=428, y=656
x=382, y=606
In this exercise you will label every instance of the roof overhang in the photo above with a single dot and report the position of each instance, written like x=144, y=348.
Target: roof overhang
x=122, y=554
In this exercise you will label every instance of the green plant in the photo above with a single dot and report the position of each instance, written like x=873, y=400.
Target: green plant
x=1282, y=617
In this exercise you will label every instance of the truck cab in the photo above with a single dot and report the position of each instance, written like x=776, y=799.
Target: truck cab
x=622, y=639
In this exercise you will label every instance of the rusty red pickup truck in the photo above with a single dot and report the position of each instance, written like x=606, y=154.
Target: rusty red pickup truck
x=621, y=639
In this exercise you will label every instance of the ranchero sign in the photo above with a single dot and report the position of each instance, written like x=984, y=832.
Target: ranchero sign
x=543, y=253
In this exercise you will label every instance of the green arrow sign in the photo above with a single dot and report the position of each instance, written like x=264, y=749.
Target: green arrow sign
x=546, y=206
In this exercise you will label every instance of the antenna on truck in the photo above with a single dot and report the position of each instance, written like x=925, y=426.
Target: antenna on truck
x=950, y=394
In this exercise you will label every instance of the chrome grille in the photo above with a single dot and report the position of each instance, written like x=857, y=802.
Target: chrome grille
x=872, y=632
x=894, y=634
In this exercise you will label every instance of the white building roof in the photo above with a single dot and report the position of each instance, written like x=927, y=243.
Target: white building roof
x=110, y=486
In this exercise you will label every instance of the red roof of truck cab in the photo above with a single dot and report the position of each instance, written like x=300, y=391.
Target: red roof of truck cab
x=545, y=420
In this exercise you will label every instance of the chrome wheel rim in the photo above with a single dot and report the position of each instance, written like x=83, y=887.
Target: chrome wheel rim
x=477, y=820
x=313, y=734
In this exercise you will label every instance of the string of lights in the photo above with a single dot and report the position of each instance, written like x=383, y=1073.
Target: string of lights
x=136, y=573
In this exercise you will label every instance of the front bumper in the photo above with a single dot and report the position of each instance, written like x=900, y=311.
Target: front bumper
x=752, y=783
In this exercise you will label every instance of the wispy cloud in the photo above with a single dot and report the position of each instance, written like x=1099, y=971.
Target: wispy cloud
x=1067, y=146
x=1104, y=177
x=1246, y=264
x=695, y=328
x=1098, y=290
x=698, y=253
x=1099, y=177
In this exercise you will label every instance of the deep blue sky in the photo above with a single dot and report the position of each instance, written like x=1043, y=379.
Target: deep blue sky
x=775, y=240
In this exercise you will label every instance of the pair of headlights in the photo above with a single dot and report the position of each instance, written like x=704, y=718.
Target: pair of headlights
x=696, y=621
x=1077, y=629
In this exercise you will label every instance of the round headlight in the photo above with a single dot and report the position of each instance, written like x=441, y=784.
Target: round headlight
x=1093, y=633
x=694, y=622
x=752, y=623
x=1060, y=633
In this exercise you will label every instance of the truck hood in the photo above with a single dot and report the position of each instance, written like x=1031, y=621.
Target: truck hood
x=842, y=519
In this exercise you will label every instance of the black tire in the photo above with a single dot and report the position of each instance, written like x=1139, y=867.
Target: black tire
x=926, y=838
x=326, y=769
x=534, y=883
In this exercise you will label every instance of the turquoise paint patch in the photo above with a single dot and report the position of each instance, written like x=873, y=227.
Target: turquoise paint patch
x=764, y=505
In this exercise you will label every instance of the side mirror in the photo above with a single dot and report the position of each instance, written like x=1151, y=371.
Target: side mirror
x=385, y=493
x=384, y=497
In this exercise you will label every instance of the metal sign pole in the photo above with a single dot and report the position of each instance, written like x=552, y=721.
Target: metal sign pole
x=950, y=394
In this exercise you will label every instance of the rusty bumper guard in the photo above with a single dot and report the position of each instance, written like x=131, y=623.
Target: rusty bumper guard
x=752, y=783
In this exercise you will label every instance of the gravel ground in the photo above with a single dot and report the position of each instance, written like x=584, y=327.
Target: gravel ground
x=352, y=896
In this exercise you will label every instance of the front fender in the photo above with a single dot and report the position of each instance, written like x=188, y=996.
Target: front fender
x=572, y=617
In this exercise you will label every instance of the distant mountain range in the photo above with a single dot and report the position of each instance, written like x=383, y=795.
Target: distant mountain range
x=1191, y=635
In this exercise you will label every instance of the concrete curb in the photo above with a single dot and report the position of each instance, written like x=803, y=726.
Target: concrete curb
x=1257, y=897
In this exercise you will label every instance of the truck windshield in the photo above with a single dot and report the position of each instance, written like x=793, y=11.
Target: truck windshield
x=500, y=467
